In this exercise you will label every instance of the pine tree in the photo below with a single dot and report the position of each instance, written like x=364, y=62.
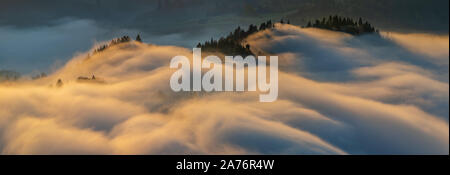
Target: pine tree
x=138, y=38
x=262, y=26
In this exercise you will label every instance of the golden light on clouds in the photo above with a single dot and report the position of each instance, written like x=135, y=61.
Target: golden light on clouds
x=386, y=106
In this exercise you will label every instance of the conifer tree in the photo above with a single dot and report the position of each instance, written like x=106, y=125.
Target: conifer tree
x=138, y=38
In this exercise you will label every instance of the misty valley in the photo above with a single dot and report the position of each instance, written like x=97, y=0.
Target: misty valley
x=198, y=77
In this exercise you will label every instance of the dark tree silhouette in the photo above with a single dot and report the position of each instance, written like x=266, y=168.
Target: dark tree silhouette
x=232, y=44
x=343, y=24
x=138, y=38
x=113, y=42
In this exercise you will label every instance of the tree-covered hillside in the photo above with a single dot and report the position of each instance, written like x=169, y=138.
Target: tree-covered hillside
x=232, y=44
x=343, y=24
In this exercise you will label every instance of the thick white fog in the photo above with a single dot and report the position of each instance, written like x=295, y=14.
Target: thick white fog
x=338, y=94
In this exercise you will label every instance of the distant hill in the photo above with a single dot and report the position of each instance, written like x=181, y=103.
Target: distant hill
x=232, y=44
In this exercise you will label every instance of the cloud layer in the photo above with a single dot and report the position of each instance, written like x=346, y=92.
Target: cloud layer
x=338, y=94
